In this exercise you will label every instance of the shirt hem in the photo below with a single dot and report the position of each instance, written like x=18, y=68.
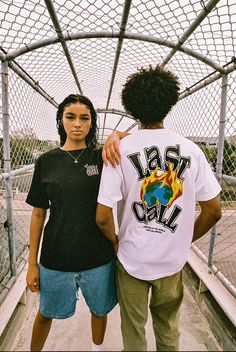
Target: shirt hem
x=209, y=196
x=74, y=270
x=105, y=202
x=154, y=277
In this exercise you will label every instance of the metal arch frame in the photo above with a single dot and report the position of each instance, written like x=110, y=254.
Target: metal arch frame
x=93, y=35
x=219, y=70
x=127, y=130
x=120, y=35
x=116, y=112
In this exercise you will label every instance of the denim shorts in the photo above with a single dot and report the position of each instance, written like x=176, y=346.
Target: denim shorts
x=59, y=291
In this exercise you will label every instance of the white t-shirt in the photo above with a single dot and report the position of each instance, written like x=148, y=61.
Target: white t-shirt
x=160, y=177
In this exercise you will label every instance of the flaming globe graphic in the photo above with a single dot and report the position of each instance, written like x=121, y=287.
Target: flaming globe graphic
x=161, y=189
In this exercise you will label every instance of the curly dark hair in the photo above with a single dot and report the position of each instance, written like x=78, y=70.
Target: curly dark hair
x=149, y=94
x=92, y=137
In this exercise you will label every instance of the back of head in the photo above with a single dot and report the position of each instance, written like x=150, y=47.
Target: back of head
x=149, y=94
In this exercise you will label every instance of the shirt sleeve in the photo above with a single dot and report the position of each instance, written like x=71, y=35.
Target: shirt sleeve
x=37, y=197
x=110, y=190
x=207, y=186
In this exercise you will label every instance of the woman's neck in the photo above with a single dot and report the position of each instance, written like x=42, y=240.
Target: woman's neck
x=73, y=146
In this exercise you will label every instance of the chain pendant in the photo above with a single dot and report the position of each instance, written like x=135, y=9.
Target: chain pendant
x=75, y=159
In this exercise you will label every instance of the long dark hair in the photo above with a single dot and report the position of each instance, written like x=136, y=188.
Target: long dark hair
x=91, y=138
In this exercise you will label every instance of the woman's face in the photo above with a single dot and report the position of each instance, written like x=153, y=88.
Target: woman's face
x=76, y=120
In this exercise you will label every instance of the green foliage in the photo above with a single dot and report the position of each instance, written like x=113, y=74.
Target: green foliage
x=25, y=148
x=21, y=153
x=229, y=158
x=45, y=146
x=211, y=155
x=229, y=163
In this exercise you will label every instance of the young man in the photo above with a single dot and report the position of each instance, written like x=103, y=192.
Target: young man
x=160, y=178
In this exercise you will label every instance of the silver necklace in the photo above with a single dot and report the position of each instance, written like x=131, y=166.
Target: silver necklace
x=75, y=159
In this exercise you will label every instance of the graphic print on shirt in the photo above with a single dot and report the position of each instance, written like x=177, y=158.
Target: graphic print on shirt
x=163, y=183
x=91, y=170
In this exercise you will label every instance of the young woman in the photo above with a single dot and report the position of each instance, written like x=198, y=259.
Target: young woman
x=75, y=254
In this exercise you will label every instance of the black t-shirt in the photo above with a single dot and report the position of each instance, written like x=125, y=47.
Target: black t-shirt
x=71, y=240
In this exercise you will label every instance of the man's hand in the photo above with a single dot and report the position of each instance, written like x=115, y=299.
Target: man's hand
x=105, y=221
x=115, y=244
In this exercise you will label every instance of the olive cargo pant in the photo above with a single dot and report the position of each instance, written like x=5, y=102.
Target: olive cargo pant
x=165, y=302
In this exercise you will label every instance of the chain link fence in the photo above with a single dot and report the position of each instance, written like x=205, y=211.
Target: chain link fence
x=53, y=48
x=201, y=112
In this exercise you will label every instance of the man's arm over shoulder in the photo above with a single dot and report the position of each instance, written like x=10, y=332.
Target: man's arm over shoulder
x=210, y=213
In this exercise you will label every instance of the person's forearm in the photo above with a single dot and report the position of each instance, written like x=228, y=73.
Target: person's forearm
x=201, y=226
x=208, y=217
x=105, y=221
x=36, y=228
x=108, y=228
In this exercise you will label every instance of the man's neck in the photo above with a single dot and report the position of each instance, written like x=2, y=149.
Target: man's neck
x=152, y=126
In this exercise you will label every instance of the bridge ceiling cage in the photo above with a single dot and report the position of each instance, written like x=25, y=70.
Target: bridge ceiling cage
x=52, y=48
x=91, y=47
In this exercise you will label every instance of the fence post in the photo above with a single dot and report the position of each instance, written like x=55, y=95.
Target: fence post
x=220, y=153
x=7, y=166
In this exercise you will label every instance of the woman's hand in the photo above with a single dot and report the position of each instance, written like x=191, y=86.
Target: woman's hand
x=111, y=150
x=32, y=278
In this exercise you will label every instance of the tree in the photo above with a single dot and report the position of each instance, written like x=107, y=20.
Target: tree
x=20, y=154
x=229, y=158
x=229, y=161
x=25, y=147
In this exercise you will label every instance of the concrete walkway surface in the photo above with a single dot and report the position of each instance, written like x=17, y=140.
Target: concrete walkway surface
x=73, y=334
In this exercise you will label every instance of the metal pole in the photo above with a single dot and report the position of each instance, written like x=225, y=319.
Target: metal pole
x=17, y=69
x=203, y=14
x=19, y=171
x=132, y=126
x=123, y=25
x=230, y=287
x=220, y=153
x=56, y=23
x=206, y=81
x=7, y=167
